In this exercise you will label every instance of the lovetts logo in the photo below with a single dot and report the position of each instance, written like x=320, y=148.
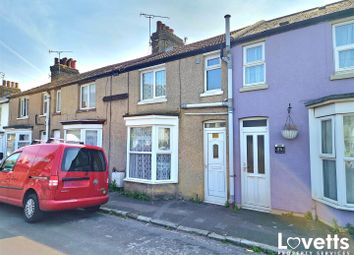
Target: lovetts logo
x=331, y=245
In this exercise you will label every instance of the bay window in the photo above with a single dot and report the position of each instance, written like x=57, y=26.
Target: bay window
x=17, y=139
x=152, y=149
x=153, y=84
x=253, y=64
x=332, y=154
x=343, y=34
x=90, y=134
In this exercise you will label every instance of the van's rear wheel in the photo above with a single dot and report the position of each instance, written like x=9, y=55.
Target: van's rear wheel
x=93, y=208
x=31, y=210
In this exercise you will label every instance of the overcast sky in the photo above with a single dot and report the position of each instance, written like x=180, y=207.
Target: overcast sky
x=103, y=32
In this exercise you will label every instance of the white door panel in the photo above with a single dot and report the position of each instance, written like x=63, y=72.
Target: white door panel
x=215, y=167
x=255, y=169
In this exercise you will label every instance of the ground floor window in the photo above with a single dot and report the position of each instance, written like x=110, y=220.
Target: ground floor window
x=90, y=134
x=332, y=154
x=17, y=139
x=152, y=149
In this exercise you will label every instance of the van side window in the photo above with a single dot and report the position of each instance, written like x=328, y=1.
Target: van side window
x=82, y=159
x=9, y=163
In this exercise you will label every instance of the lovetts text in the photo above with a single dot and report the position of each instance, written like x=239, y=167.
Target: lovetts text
x=331, y=245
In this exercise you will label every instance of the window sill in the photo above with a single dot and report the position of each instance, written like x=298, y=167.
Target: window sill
x=22, y=118
x=335, y=205
x=56, y=113
x=153, y=101
x=150, y=182
x=42, y=115
x=342, y=75
x=86, y=110
x=254, y=87
x=212, y=93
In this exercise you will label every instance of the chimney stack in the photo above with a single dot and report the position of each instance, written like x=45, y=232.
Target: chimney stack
x=8, y=88
x=164, y=39
x=63, y=68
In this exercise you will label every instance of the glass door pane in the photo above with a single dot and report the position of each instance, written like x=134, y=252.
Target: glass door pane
x=260, y=152
x=250, y=164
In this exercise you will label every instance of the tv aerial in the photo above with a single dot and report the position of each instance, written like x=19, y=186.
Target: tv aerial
x=59, y=52
x=150, y=17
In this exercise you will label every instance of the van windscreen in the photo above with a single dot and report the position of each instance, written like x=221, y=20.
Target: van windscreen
x=81, y=159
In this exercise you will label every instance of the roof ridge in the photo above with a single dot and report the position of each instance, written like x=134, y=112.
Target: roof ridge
x=308, y=10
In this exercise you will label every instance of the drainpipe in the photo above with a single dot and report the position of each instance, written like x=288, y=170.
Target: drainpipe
x=47, y=116
x=230, y=113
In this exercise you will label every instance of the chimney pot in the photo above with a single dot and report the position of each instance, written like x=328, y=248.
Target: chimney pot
x=64, y=61
x=68, y=63
x=158, y=25
x=4, y=83
x=56, y=61
x=73, y=64
x=8, y=84
x=12, y=84
x=16, y=85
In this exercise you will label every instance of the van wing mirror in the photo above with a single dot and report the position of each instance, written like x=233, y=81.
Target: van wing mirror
x=1, y=156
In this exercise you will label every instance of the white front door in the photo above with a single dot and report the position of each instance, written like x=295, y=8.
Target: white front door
x=215, y=166
x=255, y=167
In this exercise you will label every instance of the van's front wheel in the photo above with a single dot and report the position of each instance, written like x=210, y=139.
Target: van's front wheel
x=31, y=210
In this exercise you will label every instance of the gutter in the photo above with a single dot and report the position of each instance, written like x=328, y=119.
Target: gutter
x=230, y=110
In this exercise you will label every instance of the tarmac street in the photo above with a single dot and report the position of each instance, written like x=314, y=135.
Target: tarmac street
x=79, y=232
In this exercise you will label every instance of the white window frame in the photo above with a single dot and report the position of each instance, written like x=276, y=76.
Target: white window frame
x=156, y=122
x=83, y=128
x=24, y=106
x=45, y=101
x=89, y=99
x=335, y=111
x=210, y=68
x=333, y=154
x=336, y=49
x=154, y=97
x=255, y=63
x=58, y=101
x=17, y=134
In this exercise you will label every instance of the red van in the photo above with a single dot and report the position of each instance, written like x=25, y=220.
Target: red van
x=48, y=177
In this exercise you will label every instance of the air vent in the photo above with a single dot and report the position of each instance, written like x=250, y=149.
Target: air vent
x=283, y=23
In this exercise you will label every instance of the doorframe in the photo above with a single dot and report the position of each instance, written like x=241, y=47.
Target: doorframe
x=207, y=131
x=252, y=130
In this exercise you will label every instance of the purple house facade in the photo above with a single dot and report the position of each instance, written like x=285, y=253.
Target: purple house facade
x=308, y=63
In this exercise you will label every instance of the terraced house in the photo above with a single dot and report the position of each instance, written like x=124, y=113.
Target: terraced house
x=161, y=118
x=299, y=157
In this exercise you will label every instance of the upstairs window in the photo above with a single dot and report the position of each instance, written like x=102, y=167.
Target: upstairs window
x=344, y=46
x=153, y=84
x=58, y=101
x=212, y=74
x=45, y=99
x=88, y=96
x=253, y=64
x=23, y=107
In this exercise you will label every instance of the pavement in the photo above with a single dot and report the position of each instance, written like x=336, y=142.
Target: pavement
x=241, y=227
x=78, y=232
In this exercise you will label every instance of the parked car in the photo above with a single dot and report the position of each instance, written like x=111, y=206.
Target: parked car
x=50, y=177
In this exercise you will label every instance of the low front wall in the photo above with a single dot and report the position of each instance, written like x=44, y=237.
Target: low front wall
x=155, y=191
